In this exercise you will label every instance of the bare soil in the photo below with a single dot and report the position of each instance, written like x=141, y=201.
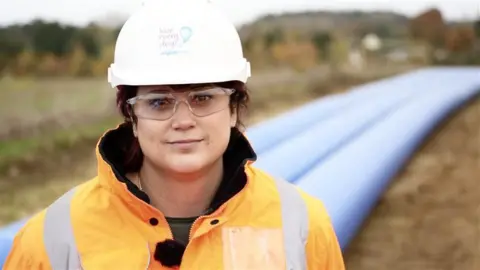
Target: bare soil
x=430, y=217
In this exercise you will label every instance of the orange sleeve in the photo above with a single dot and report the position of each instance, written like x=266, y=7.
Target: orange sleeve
x=327, y=241
x=27, y=250
x=322, y=249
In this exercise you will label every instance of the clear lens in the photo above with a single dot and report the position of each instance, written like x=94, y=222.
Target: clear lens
x=162, y=106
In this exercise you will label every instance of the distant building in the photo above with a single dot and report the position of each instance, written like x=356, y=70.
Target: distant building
x=372, y=42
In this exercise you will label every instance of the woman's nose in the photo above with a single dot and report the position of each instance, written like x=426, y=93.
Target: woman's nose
x=183, y=118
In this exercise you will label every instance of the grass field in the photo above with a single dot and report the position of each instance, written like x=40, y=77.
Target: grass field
x=33, y=105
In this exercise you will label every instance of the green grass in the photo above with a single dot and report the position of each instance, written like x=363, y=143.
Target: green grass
x=31, y=104
x=46, y=115
x=30, y=147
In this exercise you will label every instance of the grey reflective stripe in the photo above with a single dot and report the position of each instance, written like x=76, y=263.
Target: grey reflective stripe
x=294, y=225
x=58, y=235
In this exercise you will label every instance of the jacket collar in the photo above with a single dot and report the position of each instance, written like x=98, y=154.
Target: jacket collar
x=111, y=150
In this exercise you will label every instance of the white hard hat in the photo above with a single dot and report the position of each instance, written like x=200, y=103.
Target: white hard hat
x=170, y=42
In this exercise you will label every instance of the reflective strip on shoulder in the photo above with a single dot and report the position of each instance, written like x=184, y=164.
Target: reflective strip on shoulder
x=58, y=235
x=295, y=225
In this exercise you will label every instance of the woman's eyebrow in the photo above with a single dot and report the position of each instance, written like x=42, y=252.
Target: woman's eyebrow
x=160, y=91
x=192, y=87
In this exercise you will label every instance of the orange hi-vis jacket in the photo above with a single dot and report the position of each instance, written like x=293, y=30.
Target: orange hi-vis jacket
x=255, y=222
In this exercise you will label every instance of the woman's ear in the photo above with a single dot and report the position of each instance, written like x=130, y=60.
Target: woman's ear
x=233, y=120
x=134, y=127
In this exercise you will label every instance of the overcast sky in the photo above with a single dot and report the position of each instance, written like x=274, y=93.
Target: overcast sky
x=80, y=12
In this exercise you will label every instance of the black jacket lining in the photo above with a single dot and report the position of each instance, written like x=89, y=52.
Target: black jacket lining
x=113, y=145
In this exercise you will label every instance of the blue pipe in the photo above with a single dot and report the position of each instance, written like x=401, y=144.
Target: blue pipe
x=351, y=181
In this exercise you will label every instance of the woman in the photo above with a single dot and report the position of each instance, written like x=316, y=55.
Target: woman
x=176, y=187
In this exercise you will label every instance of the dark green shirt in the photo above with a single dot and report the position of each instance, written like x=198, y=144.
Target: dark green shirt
x=181, y=228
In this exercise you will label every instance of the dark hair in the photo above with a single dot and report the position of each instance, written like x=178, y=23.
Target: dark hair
x=133, y=160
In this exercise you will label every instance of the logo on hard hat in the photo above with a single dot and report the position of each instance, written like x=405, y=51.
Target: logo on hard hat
x=173, y=39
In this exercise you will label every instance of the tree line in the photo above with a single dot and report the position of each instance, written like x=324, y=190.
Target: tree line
x=51, y=48
x=461, y=40
x=431, y=27
x=44, y=48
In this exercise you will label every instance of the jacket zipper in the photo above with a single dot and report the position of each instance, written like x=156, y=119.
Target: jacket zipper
x=211, y=214
x=195, y=222
x=191, y=230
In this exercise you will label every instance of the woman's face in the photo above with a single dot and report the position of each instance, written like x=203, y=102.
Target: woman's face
x=184, y=142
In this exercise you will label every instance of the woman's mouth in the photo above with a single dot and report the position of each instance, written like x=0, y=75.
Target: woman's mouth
x=188, y=141
x=185, y=145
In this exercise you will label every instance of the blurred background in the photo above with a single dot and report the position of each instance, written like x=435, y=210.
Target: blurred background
x=55, y=103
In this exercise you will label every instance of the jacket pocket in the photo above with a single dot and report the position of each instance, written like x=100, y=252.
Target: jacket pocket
x=249, y=248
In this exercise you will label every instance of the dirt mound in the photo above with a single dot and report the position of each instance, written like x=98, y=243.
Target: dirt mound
x=430, y=217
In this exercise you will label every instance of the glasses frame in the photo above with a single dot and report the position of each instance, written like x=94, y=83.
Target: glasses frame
x=132, y=101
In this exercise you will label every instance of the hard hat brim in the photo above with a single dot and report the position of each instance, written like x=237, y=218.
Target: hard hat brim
x=179, y=75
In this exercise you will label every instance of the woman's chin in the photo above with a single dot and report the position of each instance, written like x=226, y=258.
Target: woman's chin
x=186, y=164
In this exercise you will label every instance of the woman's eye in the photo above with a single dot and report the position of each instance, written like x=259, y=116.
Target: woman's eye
x=160, y=102
x=201, y=98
